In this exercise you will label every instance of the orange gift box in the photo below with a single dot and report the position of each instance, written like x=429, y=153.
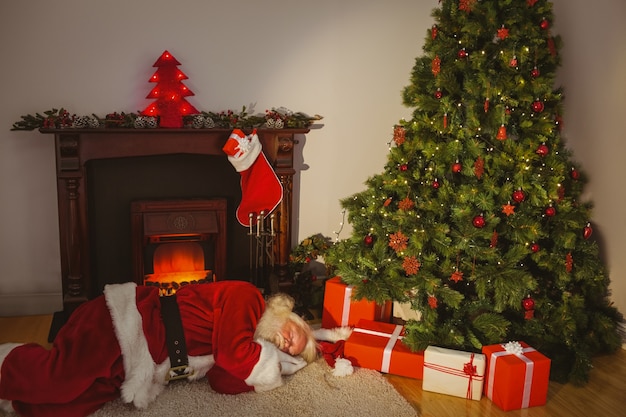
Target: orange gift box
x=517, y=376
x=376, y=345
x=341, y=310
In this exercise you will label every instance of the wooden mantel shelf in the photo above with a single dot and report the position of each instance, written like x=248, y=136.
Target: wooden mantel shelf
x=75, y=147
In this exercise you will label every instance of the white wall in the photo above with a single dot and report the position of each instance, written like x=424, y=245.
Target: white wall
x=347, y=60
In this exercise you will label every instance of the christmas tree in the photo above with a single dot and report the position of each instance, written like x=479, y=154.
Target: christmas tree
x=477, y=220
x=170, y=93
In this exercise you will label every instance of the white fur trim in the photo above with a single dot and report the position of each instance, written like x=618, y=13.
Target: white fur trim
x=144, y=379
x=265, y=375
x=332, y=335
x=140, y=384
x=343, y=367
x=250, y=148
x=5, y=405
x=5, y=349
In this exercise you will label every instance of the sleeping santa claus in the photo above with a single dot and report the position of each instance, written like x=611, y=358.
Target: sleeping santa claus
x=121, y=345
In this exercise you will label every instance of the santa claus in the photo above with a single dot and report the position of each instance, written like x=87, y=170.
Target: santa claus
x=116, y=345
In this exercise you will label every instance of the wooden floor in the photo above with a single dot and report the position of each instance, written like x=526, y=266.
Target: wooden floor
x=603, y=396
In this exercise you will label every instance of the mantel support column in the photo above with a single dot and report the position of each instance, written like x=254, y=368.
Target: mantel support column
x=70, y=198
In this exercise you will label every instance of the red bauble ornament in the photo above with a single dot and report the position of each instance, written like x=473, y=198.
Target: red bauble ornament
x=438, y=94
x=368, y=240
x=436, y=184
x=535, y=247
x=479, y=221
x=518, y=195
x=587, y=231
x=550, y=211
x=574, y=174
x=542, y=150
x=462, y=54
x=545, y=24
x=537, y=106
x=513, y=62
x=457, y=167
x=433, y=32
x=528, y=303
x=535, y=72
x=404, y=167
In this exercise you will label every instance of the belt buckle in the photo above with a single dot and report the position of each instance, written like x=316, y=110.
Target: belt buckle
x=180, y=373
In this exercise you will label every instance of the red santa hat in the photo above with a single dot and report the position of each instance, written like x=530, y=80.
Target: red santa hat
x=261, y=190
x=331, y=343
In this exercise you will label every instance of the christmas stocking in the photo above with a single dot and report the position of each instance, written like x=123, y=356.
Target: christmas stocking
x=260, y=188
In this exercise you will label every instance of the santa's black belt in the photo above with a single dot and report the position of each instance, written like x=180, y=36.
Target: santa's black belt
x=175, y=337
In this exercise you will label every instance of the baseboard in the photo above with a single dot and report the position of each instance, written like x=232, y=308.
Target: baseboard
x=30, y=304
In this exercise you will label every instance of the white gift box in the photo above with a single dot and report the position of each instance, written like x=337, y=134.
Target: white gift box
x=454, y=372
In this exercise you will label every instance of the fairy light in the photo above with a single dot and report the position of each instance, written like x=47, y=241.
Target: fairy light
x=341, y=224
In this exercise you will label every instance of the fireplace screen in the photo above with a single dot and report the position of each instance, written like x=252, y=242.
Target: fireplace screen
x=176, y=242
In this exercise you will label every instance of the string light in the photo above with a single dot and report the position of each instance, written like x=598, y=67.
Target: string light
x=343, y=219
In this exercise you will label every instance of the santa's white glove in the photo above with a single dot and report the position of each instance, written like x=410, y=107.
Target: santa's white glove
x=289, y=365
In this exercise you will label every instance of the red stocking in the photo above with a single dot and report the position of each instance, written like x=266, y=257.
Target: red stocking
x=261, y=191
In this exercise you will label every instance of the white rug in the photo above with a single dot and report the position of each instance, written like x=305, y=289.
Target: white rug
x=312, y=392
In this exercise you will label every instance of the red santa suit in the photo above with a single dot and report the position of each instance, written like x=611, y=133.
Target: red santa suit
x=115, y=346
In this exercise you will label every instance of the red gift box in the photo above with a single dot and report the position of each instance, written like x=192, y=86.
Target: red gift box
x=341, y=310
x=376, y=345
x=517, y=376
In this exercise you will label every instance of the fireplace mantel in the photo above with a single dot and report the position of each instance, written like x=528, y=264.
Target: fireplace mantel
x=75, y=147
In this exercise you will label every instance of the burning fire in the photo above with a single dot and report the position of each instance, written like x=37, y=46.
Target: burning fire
x=177, y=264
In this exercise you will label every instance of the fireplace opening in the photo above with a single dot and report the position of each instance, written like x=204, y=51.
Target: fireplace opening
x=178, y=242
x=115, y=184
x=175, y=264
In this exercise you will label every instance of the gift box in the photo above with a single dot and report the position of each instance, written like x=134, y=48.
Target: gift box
x=377, y=345
x=517, y=376
x=341, y=310
x=454, y=372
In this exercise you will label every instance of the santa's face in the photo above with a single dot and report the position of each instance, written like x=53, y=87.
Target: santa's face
x=292, y=339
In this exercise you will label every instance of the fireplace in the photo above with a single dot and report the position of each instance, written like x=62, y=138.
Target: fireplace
x=101, y=206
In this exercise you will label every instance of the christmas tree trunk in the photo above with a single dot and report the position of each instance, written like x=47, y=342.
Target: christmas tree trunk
x=477, y=219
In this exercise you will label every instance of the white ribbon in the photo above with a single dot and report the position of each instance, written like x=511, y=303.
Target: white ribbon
x=347, y=297
x=514, y=348
x=393, y=338
x=374, y=332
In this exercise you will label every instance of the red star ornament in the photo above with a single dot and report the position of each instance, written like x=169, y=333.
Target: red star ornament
x=503, y=33
x=508, y=209
x=456, y=276
x=466, y=5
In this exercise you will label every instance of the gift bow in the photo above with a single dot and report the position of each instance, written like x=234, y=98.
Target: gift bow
x=393, y=338
x=513, y=348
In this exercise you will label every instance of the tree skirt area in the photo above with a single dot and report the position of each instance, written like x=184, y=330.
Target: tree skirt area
x=313, y=392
